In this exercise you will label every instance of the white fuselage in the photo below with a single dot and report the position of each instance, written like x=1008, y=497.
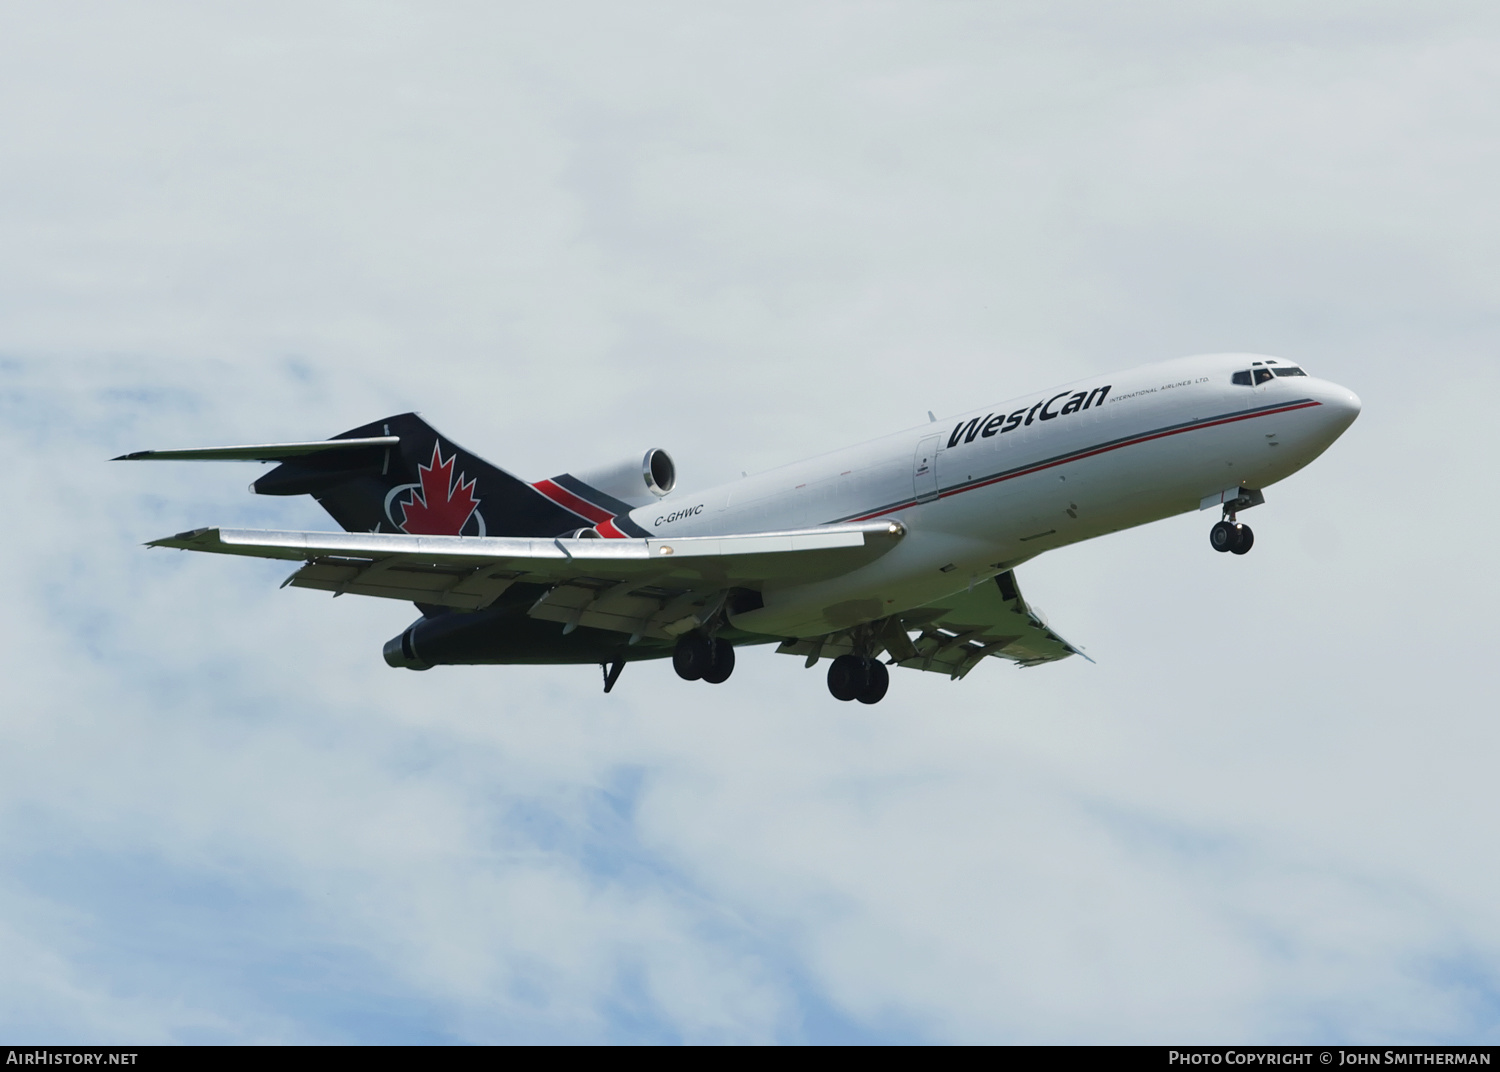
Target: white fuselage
x=981, y=492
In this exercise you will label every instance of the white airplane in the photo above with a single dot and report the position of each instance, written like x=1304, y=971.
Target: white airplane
x=903, y=547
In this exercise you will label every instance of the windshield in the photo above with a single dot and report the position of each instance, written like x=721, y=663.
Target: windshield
x=1262, y=372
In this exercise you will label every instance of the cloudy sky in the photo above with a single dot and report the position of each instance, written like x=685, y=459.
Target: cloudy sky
x=745, y=233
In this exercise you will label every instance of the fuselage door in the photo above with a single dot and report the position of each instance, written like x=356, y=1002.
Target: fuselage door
x=924, y=469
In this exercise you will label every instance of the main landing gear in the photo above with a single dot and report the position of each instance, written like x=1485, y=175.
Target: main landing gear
x=851, y=677
x=699, y=656
x=1230, y=535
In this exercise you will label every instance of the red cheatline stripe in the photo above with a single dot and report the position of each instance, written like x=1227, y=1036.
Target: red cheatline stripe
x=607, y=529
x=1092, y=453
x=568, y=501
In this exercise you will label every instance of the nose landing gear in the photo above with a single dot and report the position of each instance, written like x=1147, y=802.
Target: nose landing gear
x=1229, y=535
x=851, y=677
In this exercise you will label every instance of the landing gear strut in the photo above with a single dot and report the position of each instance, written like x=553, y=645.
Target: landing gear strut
x=1230, y=535
x=851, y=677
x=699, y=657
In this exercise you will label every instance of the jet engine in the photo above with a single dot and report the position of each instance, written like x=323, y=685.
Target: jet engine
x=636, y=482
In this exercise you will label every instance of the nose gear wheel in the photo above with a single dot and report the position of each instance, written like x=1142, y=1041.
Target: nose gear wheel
x=1231, y=537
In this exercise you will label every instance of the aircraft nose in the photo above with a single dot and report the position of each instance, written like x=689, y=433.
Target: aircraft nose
x=1343, y=402
x=1338, y=406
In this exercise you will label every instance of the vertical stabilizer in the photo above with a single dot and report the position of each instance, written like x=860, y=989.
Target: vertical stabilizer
x=425, y=484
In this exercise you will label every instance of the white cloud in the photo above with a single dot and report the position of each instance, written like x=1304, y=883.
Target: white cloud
x=745, y=235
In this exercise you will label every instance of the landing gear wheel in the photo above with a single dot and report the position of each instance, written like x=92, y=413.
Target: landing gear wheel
x=851, y=677
x=693, y=657
x=723, y=662
x=878, y=680
x=1221, y=536
x=846, y=677
x=1244, y=539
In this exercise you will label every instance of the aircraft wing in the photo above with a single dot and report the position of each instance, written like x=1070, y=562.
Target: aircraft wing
x=956, y=633
x=654, y=586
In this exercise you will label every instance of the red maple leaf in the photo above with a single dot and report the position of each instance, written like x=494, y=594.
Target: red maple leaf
x=444, y=505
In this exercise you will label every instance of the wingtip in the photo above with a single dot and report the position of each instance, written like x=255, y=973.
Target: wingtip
x=179, y=539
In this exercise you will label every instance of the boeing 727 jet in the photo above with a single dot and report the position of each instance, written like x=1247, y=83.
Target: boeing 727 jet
x=897, y=552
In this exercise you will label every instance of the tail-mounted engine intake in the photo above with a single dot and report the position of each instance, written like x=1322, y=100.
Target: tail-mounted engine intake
x=637, y=481
x=606, y=495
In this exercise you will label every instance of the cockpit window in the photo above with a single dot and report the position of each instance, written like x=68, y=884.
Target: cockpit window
x=1259, y=374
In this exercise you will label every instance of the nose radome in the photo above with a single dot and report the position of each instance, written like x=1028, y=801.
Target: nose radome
x=1341, y=403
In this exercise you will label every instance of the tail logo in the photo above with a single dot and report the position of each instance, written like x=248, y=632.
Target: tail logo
x=440, y=505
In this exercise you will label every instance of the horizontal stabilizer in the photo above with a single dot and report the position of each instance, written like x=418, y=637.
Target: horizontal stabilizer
x=265, y=452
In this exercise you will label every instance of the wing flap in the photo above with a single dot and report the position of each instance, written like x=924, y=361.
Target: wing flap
x=953, y=635
x=959, y=632
x=636, y=614
x=459, y=587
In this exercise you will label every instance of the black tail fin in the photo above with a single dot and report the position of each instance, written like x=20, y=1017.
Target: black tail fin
x=426, y=485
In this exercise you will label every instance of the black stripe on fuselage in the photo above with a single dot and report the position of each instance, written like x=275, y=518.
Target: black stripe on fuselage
x=621, y=510
x=628, y=527
x=1087, y=452
x=589, y=494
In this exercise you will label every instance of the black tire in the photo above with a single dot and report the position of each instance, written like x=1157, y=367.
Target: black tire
x=723, y=663
x=1244, y=539
x=693, y=656
x=877, y=681
x=846, y=677
x=1221, y=536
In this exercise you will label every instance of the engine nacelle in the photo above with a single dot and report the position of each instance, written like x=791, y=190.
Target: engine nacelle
x=637, y=482
x=506, y=633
